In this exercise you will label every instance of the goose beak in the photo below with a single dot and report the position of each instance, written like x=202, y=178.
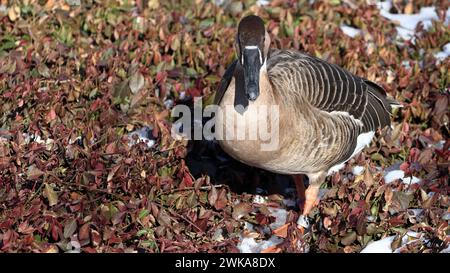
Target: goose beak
x=252, y=64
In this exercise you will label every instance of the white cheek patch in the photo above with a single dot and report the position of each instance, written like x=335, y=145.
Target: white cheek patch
x=263, y=67
x=260, y=57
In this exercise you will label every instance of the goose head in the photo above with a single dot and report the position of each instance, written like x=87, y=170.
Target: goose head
x=252, y=48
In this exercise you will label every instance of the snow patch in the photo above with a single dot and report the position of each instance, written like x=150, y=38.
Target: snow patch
x=350, y=31
x=144, y=135
x=250, y=245
x=357, y=170
x=258, y=199
x=384, y=245
x=36, y=138
x=168, y=103
x=446, y=250
x=394, y=175
x=280, y=217
x=263, y=2
x=446, y=216
x=380, y=246
x=442, y=55
x=407, y=22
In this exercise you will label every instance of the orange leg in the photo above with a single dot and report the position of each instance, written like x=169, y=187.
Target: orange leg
x=311, y=194
x=311, y=198
x=300, y=187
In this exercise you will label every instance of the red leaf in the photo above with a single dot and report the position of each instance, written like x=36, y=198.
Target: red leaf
x=187, y=179
x=51, y=115
x=212, y=196
x=83, y=234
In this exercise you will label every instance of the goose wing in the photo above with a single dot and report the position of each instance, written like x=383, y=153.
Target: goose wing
x=225, y=82
x=330, y=88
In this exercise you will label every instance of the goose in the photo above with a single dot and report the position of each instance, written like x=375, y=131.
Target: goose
x=326, y=115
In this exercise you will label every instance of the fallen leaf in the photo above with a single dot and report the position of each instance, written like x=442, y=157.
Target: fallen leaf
x=271, y=249
x=136, y=82
x=33, y=172
x=222, y=200
x=51, y=195
x=240, y=210
x=69, y=228
x=212, y=196
x=282, y=231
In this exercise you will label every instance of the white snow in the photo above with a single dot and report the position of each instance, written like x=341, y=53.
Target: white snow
x=263, y=2
x=36, y=138
x=350, y=31
x=250, y=245
x=384, y=245
x=439, y=145
x=380, y=246
x=415, y=212
x=168, y=103
x=407, y=22
x=357, y=170
x=258, y=199
x=406, y=64
x=446, y=216
x=411, y=180
x=442, y=55
x=394, y=175
x=280, y=217
x=143, y=135
x=446, y=250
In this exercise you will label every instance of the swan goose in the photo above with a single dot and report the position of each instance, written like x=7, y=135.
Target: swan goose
x=326, y=115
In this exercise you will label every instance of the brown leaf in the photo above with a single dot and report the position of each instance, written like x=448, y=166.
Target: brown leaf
x=136, y=83
x=96, y=238
x=70, y=228
x=212, y=196
x=112, y=172
x=222, y=200
x=282, y=231
x=368, y=178
x=163, y=218
x=327, y=222
x=84, y=232
x=25, y=228
x=51, y=195
x=241, y=209
x=51, y=249
x=271, y=249
x=349, y=238
x=33, y=172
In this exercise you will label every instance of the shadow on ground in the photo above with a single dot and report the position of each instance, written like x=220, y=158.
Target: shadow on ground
x=207, y=157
